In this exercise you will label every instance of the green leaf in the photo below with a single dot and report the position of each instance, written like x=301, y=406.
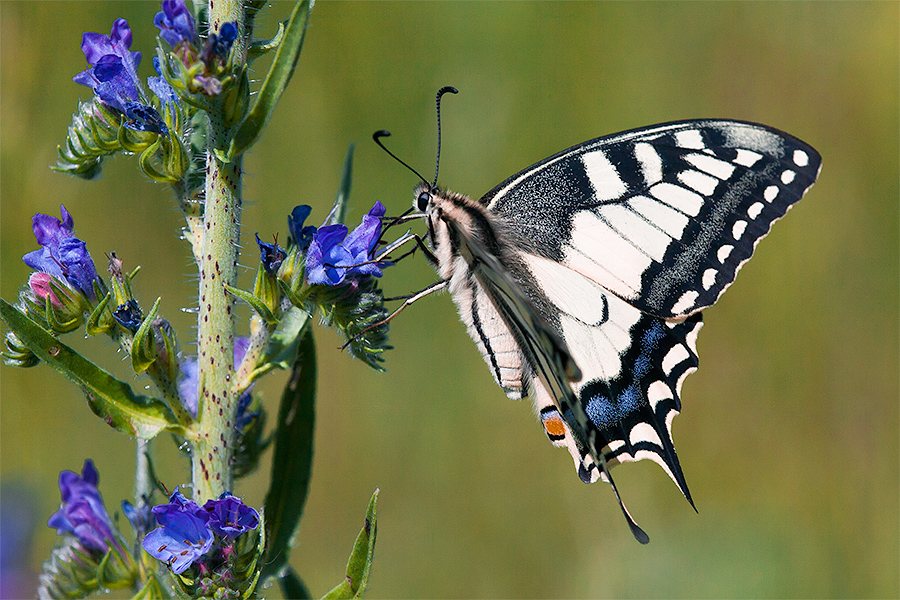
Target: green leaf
x=143, y=346
x=360, y=564
x=292, y=459
x=276, y=81
x=110, y=399
x=339, y=210
x=255, y=303
x=292, y=586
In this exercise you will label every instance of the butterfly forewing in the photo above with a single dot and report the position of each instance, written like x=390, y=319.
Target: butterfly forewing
x=664, y=216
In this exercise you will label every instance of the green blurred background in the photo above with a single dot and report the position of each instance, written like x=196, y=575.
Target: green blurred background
x=789, y=437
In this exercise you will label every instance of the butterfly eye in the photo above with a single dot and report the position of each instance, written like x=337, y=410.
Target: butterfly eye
x=423, y=200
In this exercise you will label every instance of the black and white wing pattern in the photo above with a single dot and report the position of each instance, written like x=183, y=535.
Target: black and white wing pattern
x=603, y=256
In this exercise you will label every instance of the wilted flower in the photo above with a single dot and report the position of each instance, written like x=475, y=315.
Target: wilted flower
x=82, y=512
x=129, y=315
x=334, y=255
x=218, y=45
x=62, y=254
x=183, y=535
x=113, y=77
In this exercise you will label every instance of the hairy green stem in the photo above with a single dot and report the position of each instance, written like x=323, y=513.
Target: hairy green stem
x=214, y=446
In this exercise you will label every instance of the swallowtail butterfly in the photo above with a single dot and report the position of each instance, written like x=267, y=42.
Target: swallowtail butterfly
x=581, y=278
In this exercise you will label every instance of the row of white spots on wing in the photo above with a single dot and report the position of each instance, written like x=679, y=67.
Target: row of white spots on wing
x=697, y=181
x=685, y=303
x=801, y=158
x=747, y=158
x=713, y=166
x=770, y=193
x=661, y=215
x=676, y=354
x=657, y=392
x=651, y=163
x=755, y=209
x=644, y=432
x=724, y=252
x=571, y=292
x=787, y=177
x=599, y=252
x=690, y=139
x=737, y=230
x=709, y=278
x=638, y=231
x=603, y=176
x=678, y=198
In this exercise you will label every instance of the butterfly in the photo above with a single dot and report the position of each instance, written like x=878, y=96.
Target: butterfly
x=582, y=278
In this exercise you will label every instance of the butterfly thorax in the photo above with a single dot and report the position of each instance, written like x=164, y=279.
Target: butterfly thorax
x=451, y=216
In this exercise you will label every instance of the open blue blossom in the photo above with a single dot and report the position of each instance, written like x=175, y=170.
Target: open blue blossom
x=175, y=23
x=113, y=76
x=334, y=255
x=187, y=383
x=229, y=517
x=271, y=255
x=82, y=512
x=62, y=254
x=302, y=236
x=183, y=536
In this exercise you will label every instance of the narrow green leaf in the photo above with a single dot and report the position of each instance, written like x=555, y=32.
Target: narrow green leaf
x=339, y=210
x=292, y=586
x=261, y=47
x=292, y=459
x=277, y=79
x=110, y=399
x=255, y=303
x=360, y=564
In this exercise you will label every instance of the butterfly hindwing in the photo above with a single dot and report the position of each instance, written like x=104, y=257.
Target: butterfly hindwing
x=664, y=216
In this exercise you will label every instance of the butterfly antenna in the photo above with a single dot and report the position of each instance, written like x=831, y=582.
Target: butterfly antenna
x=437, y=101
x=383, y=133
x=638, y=533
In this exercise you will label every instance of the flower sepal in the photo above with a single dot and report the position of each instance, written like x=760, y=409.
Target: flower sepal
x=75, y=572
x=17, y=353
x=55, y=304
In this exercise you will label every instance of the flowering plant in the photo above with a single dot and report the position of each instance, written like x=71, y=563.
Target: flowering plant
x=189, y=126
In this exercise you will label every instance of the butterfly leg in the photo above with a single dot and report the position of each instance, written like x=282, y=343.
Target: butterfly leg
x=438, y=285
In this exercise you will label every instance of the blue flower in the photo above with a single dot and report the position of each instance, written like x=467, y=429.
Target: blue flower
x=62, y=254
x=334, y=255
x=229, y=517
x=271, y=255
x=139, y=516
x=187, y=383
x=175, y=23
x=113, y=76
x=183, y=535
x=302, y=236
x=82, y=512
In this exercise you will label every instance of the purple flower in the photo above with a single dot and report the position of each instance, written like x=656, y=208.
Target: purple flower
x=302, y=236
x=113, y=76
x=229, y=517
x=175, y=23
x=271, y=255
x=334, y=255
x=82, y=512
x=183, y=535
x=62, y=254
x=187, y=383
